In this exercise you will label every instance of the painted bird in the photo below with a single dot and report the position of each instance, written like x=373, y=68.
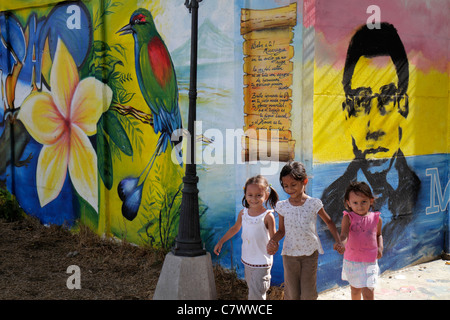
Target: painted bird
x=157, y=81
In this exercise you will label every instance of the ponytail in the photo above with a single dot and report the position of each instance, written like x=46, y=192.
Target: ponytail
x=273, y=197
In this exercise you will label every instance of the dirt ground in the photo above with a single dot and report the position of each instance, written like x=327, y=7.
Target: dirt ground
x=34, y=261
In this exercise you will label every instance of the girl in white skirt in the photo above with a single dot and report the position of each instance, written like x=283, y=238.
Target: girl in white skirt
x=361, y=234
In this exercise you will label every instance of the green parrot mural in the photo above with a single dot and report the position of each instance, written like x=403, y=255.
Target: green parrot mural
x=158, y=84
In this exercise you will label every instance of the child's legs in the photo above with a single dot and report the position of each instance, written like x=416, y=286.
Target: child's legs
x=362, y=276
x=300, y=274
x=367, y=293
x=292, y=272
x=308, y=281
x=258, y=282
x=356, y=293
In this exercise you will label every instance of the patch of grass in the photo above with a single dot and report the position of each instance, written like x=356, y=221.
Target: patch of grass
x=10, y=209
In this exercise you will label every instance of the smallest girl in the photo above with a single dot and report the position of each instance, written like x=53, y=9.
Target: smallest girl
x=258, y=226
x=361, y=234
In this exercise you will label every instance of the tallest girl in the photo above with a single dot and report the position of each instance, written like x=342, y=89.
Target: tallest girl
x=301, y=248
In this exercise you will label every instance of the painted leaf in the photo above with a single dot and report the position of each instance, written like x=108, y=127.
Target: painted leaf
x=113, y=127
x=105, y=167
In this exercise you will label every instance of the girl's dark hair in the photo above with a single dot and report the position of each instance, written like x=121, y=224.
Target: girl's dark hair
x=295, y=169
x=262, y=181
x=357, y=187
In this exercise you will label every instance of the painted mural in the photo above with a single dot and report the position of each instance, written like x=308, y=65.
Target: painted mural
x=384, y=82
x=94, y=119
x=95, y=98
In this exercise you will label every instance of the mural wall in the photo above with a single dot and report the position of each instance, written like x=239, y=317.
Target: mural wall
x=95, y=99
x=381, y=116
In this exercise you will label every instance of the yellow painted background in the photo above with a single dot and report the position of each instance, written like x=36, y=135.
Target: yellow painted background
x=422, y=130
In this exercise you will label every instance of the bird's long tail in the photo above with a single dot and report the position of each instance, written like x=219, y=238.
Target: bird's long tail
x=161, y=147
x=149, y=165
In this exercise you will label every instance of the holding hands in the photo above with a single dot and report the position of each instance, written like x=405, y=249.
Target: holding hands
x=272, y=247
x=339, y=247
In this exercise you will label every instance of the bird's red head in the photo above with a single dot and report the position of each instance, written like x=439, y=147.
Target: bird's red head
x=139, y=18
x=141, y=24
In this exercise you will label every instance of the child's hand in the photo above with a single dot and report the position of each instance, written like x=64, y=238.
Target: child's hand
x=272, y=247
x=218, y=248
x=380, y=253
x=339, y=247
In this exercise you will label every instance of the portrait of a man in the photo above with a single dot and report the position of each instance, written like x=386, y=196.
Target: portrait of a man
x=374, y=113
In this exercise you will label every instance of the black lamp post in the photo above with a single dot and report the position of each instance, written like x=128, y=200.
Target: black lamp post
x=188, y=242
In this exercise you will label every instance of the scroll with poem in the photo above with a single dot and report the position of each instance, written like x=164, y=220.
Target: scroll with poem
x=268, y=70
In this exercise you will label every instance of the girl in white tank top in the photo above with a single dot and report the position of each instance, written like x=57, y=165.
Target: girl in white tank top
x=258, y=226
x=255, y=236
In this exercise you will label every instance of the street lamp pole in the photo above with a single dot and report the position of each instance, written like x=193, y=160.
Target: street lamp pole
x=187, y=272
x=188, y=242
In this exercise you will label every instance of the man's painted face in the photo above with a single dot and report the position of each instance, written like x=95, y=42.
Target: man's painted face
x=371, y=110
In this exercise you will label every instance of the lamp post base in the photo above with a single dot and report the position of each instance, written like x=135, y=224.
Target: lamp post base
x=186, y=278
